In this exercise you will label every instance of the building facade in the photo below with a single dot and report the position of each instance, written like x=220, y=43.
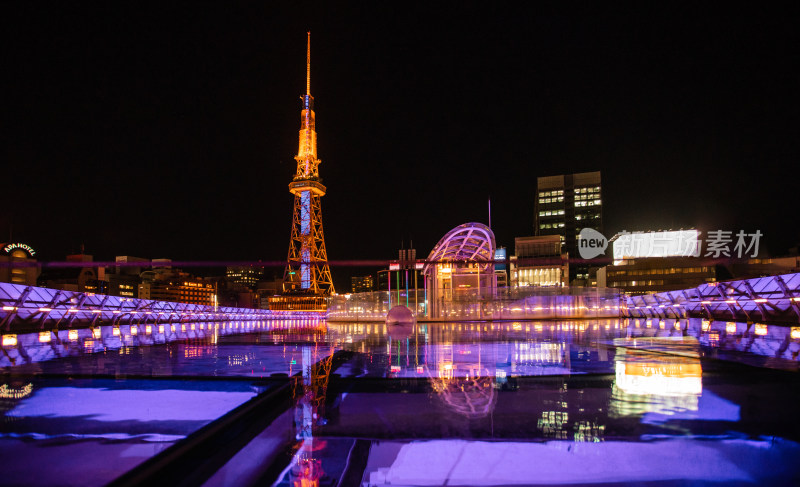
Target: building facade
x=246, y=276
x=539, y=261
x=166, y=284
x=124, y=278
x=564, y=205
x=654, y=274
x=671, y=260
x=362, y=284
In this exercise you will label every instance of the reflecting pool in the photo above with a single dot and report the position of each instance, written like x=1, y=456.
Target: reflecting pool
x=601, y=402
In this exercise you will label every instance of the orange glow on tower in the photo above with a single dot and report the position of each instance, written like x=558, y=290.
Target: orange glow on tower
x=307, y=268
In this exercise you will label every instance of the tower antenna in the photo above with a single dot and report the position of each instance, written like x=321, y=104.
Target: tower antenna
x=308, y=65
x=490, y=212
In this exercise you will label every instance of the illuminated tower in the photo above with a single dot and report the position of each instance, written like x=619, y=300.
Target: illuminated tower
x=307, y=268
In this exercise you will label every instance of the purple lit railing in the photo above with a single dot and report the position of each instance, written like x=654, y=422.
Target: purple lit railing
x=768, y=299
x=29, y=306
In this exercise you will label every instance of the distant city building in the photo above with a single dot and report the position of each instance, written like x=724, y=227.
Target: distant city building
x=565, y=205
x=124, y=278
x=362, y=284
x=247, y=276
x=168, y=284
x=759, y=267
x=130, y=265
x=161, y=263
x=267, y=288
x=647, y=262
x=656, y=261
x=639, y=276
x=539, y=261
x=26, y=271
x=383, y=280
x=85, y=279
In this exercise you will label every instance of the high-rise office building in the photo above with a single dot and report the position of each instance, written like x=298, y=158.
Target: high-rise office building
x=565, y=205
x=247, y=276
x=362, y=284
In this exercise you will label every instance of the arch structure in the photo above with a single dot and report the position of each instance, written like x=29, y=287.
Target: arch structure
x=460, y=266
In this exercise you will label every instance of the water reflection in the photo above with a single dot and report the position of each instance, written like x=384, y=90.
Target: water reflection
x=157, y=350
x=526, y=394
x=498, y=351
x=309, y=393
x=656, y=382
x=762, y=345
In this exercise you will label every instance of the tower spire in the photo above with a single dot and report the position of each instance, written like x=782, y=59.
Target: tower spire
x=307, y=269
x=308, y=66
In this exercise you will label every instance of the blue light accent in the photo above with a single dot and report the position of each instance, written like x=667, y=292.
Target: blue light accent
x=305, y=230
x=305, y=269
x=500, y=254
x=305, y=212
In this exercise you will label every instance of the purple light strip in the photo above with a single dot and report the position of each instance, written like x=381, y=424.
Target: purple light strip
x=187, y=263
x=227, y=263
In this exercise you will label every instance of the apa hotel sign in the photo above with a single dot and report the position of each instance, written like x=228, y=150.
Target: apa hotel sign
x=27, y=248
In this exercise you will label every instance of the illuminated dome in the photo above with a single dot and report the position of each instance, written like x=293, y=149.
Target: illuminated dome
x=467, y=242
x=460, y=267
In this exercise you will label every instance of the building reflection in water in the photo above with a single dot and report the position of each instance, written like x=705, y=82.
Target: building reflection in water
x=470, y=364
x=463, y=377
x=663, y=383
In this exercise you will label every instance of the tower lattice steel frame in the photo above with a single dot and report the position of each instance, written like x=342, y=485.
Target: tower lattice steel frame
x=307, y=267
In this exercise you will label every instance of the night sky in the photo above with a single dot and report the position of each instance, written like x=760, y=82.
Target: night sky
x=169, y=131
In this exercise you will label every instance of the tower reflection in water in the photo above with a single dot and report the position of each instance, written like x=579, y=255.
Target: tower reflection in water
x=309, y=393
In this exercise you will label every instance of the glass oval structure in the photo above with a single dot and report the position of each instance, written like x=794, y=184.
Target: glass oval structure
x=461, y=266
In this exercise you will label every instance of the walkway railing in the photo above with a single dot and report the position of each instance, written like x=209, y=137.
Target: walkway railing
x=773, y=299
x=503, y=304
x=32, y=307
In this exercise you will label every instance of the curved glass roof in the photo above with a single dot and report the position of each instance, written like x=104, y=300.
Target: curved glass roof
x=467, y=242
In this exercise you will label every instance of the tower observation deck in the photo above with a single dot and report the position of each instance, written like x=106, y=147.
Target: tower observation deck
x=307, y=271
